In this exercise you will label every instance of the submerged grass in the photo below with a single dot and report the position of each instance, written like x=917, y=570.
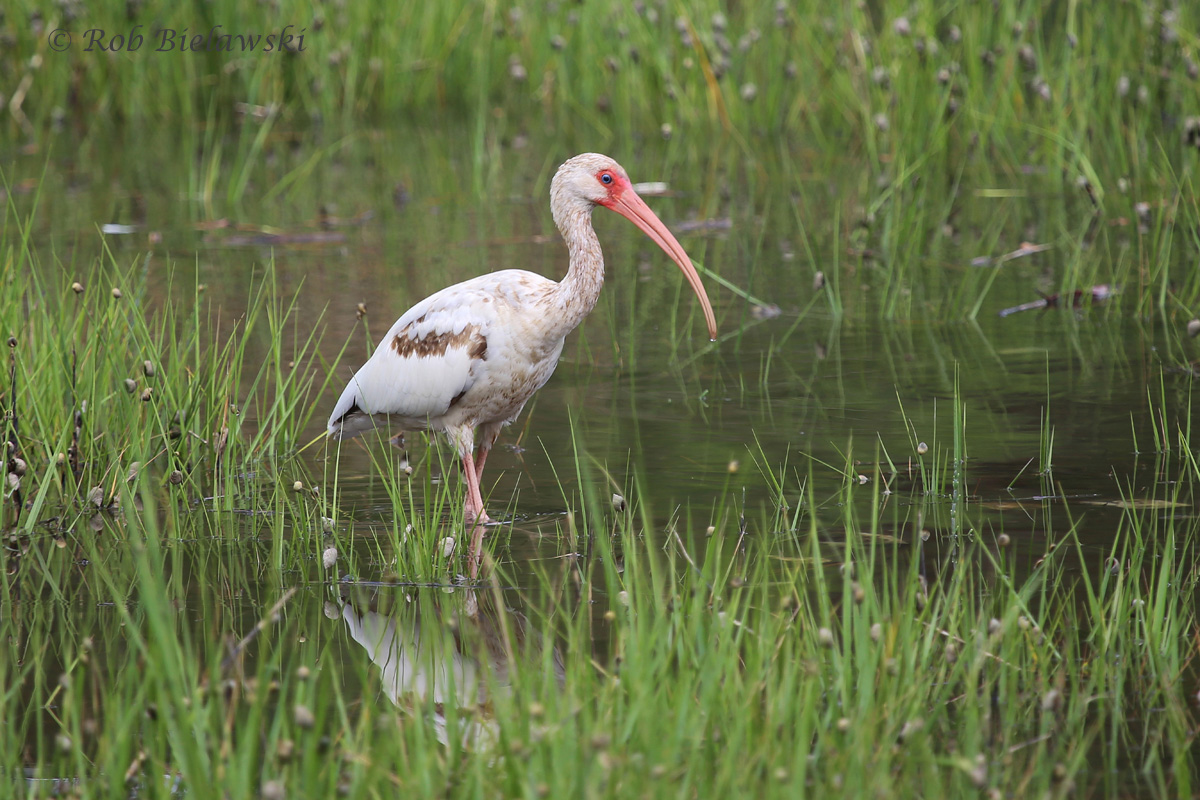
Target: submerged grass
x=194, y=633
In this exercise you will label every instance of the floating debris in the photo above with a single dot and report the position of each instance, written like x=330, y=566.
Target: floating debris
x=279, y=239
x=1097, y=293
x=1026, y=249
x=767, y=311
x=702, y=225
x=654, y=188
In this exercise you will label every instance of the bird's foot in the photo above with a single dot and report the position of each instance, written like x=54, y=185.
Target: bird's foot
x=473, y=517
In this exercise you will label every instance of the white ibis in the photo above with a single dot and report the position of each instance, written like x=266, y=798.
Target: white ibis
x=471, y=355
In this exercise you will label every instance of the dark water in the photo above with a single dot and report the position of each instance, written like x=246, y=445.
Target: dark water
x=385, y=218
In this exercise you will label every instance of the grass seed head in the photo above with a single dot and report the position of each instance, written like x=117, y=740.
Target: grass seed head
x=910, y=727
x=978, y=773
x=303, y=717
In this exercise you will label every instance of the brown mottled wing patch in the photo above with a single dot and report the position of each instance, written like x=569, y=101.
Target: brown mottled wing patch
x=436, y=344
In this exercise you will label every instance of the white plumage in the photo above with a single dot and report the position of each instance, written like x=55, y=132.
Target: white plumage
x=471, y=355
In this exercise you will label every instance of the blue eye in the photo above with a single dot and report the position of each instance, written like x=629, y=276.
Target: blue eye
x=606, y=178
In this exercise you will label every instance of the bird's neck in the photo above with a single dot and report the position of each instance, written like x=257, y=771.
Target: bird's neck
x=578, y=292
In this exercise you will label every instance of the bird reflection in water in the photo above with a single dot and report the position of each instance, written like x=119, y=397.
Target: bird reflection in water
x=441, y=651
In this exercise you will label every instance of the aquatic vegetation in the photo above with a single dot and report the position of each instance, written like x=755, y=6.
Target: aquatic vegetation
x=875, y=638
x=876, y=539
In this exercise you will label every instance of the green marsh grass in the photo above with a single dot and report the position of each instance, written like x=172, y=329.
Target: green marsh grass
x=800, y=633
x=816, y=644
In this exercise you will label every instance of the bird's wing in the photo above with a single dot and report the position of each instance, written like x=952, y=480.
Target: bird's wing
x=428, y=358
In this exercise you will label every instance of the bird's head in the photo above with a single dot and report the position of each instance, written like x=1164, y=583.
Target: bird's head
x=591, y=180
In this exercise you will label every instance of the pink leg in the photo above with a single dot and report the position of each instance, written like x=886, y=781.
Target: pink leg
x=480, y=460
x=473, y=511
x=486, y=440
x=474, y=516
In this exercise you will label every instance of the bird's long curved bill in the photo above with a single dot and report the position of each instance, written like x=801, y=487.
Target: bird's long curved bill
x=633, y=208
